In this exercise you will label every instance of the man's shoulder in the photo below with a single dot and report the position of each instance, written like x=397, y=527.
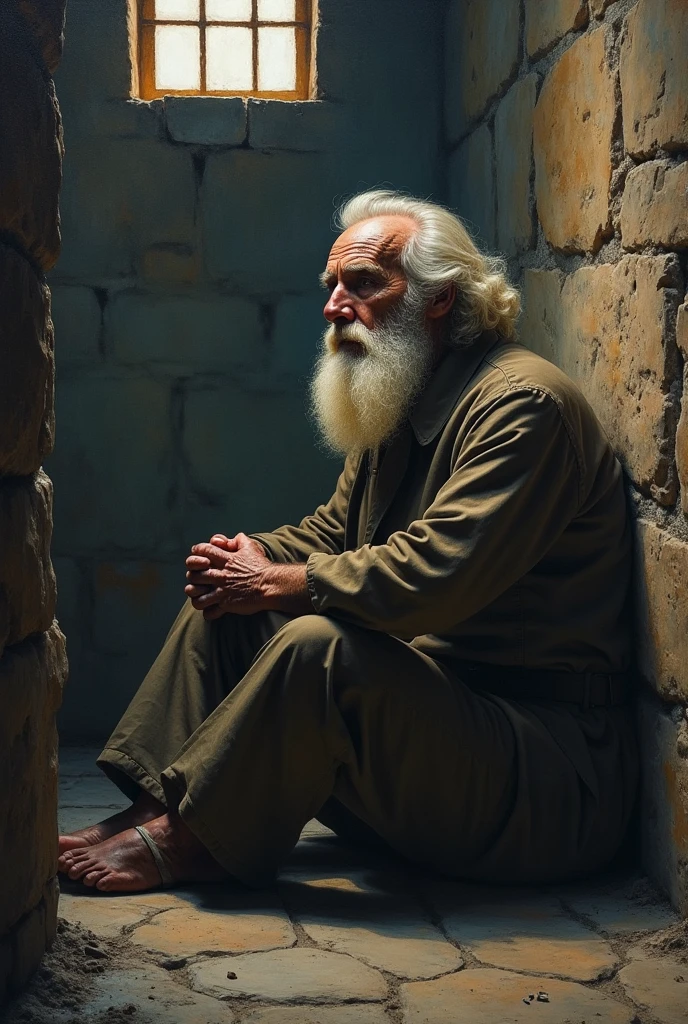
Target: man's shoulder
x=512, y=366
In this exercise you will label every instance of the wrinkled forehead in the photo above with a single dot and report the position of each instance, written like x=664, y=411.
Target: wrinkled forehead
x=378, y=240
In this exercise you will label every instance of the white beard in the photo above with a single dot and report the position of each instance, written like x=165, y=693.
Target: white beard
x=360, y=400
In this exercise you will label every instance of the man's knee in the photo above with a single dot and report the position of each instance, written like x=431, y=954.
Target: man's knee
x=310, y=636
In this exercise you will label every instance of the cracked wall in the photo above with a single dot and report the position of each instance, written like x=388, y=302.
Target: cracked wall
x=566, y=123
x=188, y=310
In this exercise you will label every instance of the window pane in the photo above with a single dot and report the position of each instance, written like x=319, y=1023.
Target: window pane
x=177, y=57
x=276, y=10
x=177, y=10
x=276, y=59
x=229, y=58
x=228, y=10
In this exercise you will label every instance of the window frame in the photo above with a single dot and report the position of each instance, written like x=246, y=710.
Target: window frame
x=145, y=51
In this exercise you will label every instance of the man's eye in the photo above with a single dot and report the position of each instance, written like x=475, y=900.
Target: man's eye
x=367, y=282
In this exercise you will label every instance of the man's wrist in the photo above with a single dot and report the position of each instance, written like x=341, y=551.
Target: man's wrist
x=285, y=588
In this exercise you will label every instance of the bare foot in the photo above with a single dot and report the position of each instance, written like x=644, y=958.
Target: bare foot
x=125, y=864
x=144, y=809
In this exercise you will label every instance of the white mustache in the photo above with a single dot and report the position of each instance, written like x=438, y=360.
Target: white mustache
x=335, y=335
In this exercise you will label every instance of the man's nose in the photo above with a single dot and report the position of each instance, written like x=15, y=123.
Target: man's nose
x=338, y=306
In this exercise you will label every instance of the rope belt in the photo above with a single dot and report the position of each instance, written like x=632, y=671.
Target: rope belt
x=588, y=689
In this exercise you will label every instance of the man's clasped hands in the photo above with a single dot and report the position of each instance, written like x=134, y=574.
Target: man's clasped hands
x=227, y=575
x=233, y=574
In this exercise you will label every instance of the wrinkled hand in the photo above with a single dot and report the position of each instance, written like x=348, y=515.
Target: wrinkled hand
x=227, y=575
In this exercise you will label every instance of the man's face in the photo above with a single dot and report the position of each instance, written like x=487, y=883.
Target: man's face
x=364, y=274
x=377, y=351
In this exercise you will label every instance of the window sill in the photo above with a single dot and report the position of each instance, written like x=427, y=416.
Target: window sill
x=303, y=126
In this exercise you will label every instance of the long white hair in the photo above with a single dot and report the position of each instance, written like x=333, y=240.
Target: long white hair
x=440, y=253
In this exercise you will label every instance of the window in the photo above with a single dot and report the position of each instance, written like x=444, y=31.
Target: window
x=224, y=48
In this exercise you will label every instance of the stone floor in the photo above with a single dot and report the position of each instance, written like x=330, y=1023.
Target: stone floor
x=351, y=938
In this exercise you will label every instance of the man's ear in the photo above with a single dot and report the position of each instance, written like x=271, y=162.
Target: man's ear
x=441, y=303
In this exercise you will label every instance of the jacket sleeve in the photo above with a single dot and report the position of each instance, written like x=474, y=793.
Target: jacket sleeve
x=514, y=487
x=323, y=531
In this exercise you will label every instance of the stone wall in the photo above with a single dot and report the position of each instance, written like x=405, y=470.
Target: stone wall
x=32, y=654
x=567, y=125
x=188, y=310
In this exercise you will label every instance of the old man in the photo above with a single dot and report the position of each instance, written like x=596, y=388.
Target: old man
x=436, y=658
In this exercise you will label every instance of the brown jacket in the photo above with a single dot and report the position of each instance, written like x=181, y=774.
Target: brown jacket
x=493, y=528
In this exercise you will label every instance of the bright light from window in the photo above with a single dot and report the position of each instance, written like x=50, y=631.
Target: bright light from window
x=229, y=58
x=276, y=60
x=177, y=57
x=177, y=10
x=277, y=10
x=228, y=10
x=224, y=47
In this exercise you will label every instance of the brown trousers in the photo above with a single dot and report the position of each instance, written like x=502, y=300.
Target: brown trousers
x=250, y=726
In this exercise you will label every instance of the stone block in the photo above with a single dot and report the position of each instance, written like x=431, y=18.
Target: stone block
x=619, y=914
x=114, y=468
x=46, y=21
x=120, y=197
x=472, y=185
x=30, y=165
x=192, y=334
x=278, y=479
x=547, y=23
x=255, y=241
x=306, y=127
x=206, y=120
x=572, y=137
x=542, y=326
x=353, y=67
x=664, y=801
x=298, y=326
x=31, y=678
x=514, y=160
x=610, y=328
x=382, y=925
x=488, y=996
x=26, y=367
x=106, y=918
x=134, y=606
x=658, y=986
x=661, y=567
x=654, y=71
x=482, y=55
x=27, y=580
x=523, y=934
x=682, y=428
x=289, y=976
x=654, y=210
x=77, y=317
x=242, y=922
x=170, y=267
x=156, y=996
x=98, y=52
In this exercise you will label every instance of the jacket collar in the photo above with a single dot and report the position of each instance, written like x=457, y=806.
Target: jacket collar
x=447, y=384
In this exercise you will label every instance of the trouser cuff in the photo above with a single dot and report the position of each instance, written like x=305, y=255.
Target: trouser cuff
x=178, y=799
x=128, y=775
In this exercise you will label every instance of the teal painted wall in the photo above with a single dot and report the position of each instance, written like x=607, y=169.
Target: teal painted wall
x=187, y=311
